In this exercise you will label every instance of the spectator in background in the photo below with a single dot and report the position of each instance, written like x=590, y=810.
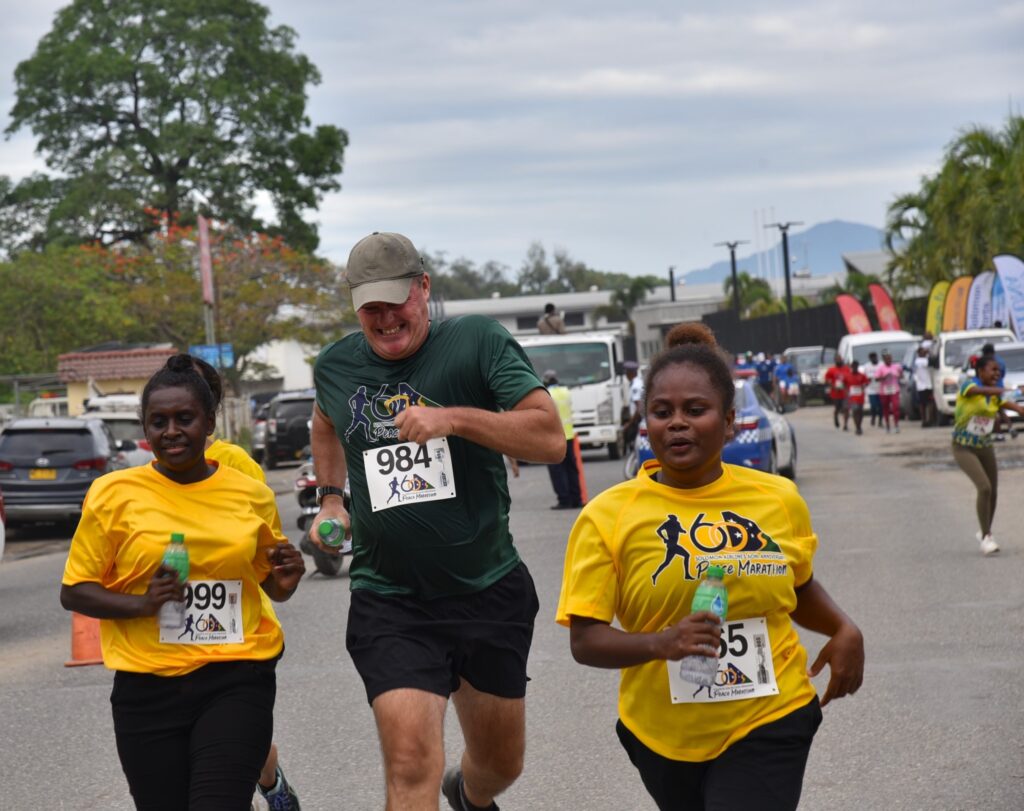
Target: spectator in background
x=565, y=476
x=766, y=372
x=874, y=398
x=634, y=410
x=551, y=322
x=835, y=387
x=923, y=386
x=786, y=381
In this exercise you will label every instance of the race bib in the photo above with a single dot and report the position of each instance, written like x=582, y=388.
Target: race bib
x=409, y=473
x=745, y=667
x=856, y=391
x=981, y=426
x=213, y=614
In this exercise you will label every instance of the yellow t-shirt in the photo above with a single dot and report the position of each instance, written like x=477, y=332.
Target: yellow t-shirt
x=612, y=572
x=229, y=521
x=224, y=453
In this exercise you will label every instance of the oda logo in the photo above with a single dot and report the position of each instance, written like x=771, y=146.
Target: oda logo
x=733, y=533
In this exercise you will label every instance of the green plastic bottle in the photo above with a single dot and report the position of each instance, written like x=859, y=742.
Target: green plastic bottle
x=332, y=531
x=172, y=613
x=711, y=595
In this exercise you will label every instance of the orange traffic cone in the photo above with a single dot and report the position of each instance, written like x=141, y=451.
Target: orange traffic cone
x=85, y=641
x=579, y=469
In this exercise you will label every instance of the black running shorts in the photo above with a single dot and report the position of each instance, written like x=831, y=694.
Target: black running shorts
x=484, y=638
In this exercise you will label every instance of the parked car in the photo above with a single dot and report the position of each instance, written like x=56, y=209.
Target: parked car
x=47, y=465
x=811, y=363
x=287, y=432
x=949, y=352
x=259, y=432
x=763, y=438
x=3, y=525
x=120, y=413
x=1012, y=354
x=859, y=346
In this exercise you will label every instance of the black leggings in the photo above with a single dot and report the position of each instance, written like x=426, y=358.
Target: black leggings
x=197, y=741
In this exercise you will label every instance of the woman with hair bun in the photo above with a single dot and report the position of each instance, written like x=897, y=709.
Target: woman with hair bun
x=636, y=555
x=192, y=706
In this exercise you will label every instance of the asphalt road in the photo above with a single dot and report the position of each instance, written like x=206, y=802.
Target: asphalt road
x=936, y=726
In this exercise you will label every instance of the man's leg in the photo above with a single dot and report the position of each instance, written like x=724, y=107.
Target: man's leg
x=410, y=724
x=494, y=730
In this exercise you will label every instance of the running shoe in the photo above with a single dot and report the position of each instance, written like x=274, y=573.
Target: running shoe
x=451, y=788
x=282, y=796
x=988, y=545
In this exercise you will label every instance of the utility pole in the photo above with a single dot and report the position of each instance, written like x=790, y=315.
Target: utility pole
x=672, y=281
x=735, y=279
x=784, y=230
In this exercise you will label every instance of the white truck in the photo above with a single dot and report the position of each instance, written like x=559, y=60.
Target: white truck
x=590, y=365
x=949, y=352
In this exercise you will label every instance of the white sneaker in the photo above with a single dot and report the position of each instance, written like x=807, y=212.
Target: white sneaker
x=988, y=545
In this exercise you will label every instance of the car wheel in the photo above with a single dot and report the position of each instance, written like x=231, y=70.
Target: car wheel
x=773, y=462
x=790, y=470
x=326, y=564
x=615, y=449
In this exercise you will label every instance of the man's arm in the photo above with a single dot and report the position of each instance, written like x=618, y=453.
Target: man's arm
x=331, y=470
x=531, y=430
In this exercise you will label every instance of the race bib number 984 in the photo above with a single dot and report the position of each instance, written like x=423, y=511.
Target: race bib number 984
x=409, y=473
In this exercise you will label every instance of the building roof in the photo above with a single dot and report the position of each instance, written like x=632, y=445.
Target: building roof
x=122, y=364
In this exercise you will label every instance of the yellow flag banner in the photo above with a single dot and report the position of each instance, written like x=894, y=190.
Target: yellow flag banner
x=936, y=302
x=954, y=314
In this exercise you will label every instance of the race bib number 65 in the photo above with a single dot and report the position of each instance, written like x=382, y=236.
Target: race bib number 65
x=409, y=473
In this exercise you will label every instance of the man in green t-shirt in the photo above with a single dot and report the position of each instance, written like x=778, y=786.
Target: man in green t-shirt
x=417, y=416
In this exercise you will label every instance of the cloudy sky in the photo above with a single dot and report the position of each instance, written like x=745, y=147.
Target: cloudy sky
x=633, y=135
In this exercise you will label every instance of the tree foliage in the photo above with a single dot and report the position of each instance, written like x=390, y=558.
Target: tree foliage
x=970, y=211
x=183, y=106
x=856, y=285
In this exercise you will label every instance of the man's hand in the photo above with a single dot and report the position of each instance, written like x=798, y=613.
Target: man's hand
x=420, y=423
x=331, y=507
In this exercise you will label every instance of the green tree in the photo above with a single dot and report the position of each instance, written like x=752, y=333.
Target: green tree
x=181, y=106
x=856, y=285
x=535, y=272
x=959, y=218
x=752, y=291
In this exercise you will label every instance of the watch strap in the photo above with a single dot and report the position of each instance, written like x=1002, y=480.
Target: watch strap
x=328, y=490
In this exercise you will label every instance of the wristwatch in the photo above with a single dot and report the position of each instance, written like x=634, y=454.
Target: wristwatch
x=321, y=492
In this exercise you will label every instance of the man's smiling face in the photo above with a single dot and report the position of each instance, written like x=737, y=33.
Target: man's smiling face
x=396, y=331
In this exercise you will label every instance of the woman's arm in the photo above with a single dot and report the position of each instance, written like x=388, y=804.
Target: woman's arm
x=598, y=644
x=95, y=600
x=844, y=652
x=287, y=568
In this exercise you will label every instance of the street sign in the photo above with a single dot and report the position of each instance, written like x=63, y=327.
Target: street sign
x=219, y=356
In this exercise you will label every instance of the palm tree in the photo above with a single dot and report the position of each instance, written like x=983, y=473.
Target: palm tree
x=753, y=291
x=624, y=300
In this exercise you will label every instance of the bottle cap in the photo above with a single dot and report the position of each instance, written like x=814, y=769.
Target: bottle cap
x=177, y=537
x=716, y=572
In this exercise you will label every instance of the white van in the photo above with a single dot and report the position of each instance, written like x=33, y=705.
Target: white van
x=949, y=352
x=858, y=346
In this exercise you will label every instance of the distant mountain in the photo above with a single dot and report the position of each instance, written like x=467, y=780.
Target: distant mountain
x=817, y=250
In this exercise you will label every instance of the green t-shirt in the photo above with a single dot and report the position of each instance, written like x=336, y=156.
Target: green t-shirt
x=460, y=545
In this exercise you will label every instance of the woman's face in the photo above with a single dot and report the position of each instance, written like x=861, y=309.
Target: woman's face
x=988, y=374
x=687, y=426
x=176, y=427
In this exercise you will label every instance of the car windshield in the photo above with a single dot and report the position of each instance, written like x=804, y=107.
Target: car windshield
x=1014, y=359
x=805, y=361
x=574, y=364
x=125, y=429
x=288, y=409
x=59, y=446
x=897, y=349
x=959, y=350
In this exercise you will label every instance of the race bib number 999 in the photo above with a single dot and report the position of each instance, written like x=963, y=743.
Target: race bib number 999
x=409, y=473
x=213, y=614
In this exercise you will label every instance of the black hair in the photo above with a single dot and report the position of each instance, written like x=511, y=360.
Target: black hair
x=212, y=378
x=988, y=349
x=180, y=371
x=549, y=308
x=694, y=343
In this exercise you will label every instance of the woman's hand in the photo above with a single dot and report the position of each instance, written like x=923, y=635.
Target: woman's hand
x=163, y=588
x=844, y=654
x=287, y=568
x=695, y=635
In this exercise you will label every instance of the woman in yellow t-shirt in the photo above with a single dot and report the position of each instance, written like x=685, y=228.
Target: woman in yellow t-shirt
x=193, y=705
x=637, y=553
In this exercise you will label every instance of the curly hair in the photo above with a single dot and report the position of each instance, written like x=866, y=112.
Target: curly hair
x=181, y=371
x=694, y=343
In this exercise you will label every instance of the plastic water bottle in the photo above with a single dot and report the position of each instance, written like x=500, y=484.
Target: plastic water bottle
x=711, y=595
x=172, y=613
x=332, y=531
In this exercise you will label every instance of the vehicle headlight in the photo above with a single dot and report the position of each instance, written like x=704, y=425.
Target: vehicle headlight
x=806, y=378
x=604, y=412
x=949, y=387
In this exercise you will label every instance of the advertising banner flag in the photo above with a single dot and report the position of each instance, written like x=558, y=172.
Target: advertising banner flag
x=205, y=265
x=979, y=301
x=1011, y=274
x=936, y=303
x=1000, y=314
x=954, y=314
x=854, y=317
x=884, y=309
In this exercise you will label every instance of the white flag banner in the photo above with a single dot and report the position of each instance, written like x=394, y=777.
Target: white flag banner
x=979, y=301
x=1011, y=274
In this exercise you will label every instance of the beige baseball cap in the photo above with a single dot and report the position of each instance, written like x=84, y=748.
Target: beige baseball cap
x=381, y=267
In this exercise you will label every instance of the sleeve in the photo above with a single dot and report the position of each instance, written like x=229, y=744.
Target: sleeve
x=509, y=374
x=967, y=388
x=270, y=532
x=590, y=586
x=805, y=542
x=92, y=547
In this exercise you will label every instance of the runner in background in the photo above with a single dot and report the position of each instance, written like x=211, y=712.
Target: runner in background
x=874, y=398
x=635, y=556
x=923, y=385
x=888, y=376
x=856, y=383
x=835, y=387
x=787, y=383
